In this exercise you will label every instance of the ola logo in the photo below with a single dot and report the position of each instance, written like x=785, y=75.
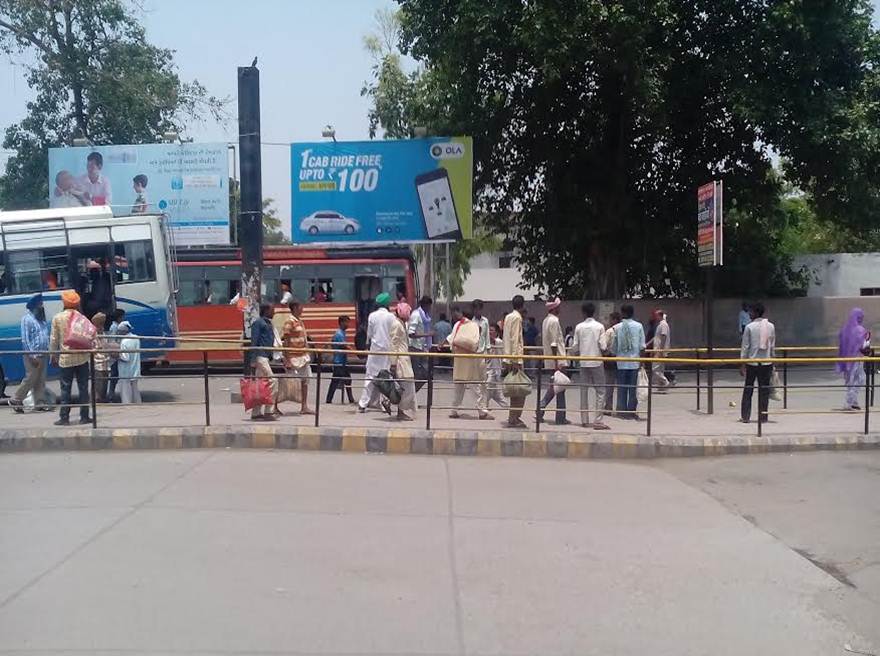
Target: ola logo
x=447, y=150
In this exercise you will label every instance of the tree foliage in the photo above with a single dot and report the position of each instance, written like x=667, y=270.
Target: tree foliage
x=94, y=76
x=399, y=105
x=596, y=120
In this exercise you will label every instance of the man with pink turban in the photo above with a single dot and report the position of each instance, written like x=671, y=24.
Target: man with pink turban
x=854, y=340
x=401, y=366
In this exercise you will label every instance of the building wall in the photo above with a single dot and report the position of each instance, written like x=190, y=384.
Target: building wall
x=799, y=321
x=841, y=274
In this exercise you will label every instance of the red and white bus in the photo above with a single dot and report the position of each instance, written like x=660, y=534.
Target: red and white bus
x=330, y=282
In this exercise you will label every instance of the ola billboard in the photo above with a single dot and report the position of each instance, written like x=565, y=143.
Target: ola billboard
x=392, y=191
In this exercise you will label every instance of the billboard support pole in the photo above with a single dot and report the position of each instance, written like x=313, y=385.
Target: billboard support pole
x=448, y=290
x=250, y=221
x=710, y=371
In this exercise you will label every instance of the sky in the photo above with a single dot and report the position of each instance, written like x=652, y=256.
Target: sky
x=311, y=59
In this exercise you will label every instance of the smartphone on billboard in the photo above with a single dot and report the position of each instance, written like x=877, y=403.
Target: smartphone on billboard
x=438, y=206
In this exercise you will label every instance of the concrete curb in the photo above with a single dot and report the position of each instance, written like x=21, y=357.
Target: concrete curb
x=439, y=442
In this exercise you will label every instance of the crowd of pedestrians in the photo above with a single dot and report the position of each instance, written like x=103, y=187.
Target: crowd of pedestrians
x=67, y=342
x=74, y=343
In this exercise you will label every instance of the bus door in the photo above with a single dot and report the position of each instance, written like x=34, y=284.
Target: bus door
x=92, y=272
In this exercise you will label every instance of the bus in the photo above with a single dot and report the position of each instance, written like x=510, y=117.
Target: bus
x=329, y=282
x=111, y=261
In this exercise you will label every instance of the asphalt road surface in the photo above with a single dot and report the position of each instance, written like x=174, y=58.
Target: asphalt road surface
x=244, y=552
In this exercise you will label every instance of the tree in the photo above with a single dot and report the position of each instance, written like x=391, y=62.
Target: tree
x=95, y=76
x=595, y=121
x=272, y=233
x=398, y=100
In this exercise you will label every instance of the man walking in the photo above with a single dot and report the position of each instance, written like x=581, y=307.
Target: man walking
x=587, y=335
x=629, y=342
x=660, y=349
x=493, y=369
x=379, y=326
x=553, y=343
x=467, y=372
x=513, y=350
x=74, y=363
x=296, y=363
x=263, y=339
x=758, y=342
x=34, y=338
x=482, y=349
x=341, y=375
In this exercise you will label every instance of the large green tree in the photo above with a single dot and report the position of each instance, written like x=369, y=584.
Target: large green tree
x=95, y=76
x=595, y=121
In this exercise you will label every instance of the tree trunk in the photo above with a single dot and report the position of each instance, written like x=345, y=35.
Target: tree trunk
x=605, y=277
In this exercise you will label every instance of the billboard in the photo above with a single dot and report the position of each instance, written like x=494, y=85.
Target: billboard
x=187, y=182
x=710, y=225
x=393, y=191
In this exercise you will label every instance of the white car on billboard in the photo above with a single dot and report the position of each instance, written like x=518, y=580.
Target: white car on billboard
x=328, y=222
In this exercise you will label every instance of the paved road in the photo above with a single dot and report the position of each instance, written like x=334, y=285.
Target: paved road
x=811, y=410
x=231, y=552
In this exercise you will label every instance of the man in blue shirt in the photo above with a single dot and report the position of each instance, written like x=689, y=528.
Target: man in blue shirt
x=262, y=340
x=34, y=338
x=341, y=375
x=629, y=342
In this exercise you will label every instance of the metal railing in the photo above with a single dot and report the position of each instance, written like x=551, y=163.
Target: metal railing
x=433, y=383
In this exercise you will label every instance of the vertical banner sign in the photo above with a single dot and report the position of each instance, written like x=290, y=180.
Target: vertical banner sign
x=710, y=224
x=186, y=182
x=390, y=191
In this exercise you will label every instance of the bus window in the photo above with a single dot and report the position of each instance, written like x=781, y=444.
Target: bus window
x=37, y=270
x=321, y=291
x=221, y=284
x=134, y=261
x=343, y=290
x=192, y=283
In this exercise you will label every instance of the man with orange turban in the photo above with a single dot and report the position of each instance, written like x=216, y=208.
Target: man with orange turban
x=74, y=364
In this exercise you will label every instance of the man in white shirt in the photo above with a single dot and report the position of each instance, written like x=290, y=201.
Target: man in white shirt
x=758, y=342
x=94, y=182
x=587, y=337
x=379, y=338
x=553, y=342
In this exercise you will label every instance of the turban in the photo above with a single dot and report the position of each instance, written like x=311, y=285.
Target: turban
x=70, y=299
x=34, y=302
x=403, y=311
x=383, y=299
x=555, y=303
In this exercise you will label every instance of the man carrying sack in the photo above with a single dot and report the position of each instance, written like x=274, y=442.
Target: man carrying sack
x=468, y=372
x=73, y=335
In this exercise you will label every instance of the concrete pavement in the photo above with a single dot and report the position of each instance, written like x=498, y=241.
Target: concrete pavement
x=231, y=552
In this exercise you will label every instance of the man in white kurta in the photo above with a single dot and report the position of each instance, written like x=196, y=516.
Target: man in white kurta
x=379, y=337
x=553, y=341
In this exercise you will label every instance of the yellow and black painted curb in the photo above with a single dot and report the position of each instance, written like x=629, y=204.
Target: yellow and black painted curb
x=437, y=442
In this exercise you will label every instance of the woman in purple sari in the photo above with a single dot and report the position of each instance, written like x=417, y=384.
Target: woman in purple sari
x=854, y=341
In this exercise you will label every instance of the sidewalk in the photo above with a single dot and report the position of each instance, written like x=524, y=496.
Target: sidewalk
x=677, y=427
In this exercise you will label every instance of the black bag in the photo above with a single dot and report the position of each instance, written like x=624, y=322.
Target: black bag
x=388, y=387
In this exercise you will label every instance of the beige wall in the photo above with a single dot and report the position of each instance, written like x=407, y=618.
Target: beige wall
x=799, y=321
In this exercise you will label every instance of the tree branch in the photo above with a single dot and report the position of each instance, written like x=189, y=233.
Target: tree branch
x=27, y=36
